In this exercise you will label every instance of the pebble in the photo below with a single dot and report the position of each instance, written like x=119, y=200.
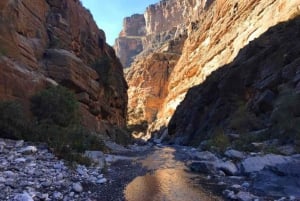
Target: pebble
x=31, y=172
x=77, y=187
x=101, y=181
x=58, y=195
x=23, y=197
x=28, y=150
x=245, y=185
x=236, y=186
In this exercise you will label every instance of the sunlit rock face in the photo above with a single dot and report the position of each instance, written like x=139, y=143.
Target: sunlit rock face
x=216, y=31
x=129, y=43
x=215, y=39
x=57, y=42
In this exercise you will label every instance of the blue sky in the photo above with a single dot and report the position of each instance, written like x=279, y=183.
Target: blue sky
x=109, y=14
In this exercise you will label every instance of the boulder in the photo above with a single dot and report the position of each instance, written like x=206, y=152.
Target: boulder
x=273, y=184
x=228, y=167
x=257, y=163
x=204, y=167
x=97, y=157
x=234, y=154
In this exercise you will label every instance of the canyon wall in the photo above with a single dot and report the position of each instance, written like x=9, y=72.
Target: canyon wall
x=129, y=43
x=51, y=42
x=254, y=98
x=214, y=32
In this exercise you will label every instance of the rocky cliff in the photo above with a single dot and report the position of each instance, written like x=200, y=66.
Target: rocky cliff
x=216, y=31
x=129, y=43
x=215, y=40
x=255, y=97
x=57, y=42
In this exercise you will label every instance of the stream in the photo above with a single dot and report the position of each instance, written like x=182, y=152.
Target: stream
x=167, y=179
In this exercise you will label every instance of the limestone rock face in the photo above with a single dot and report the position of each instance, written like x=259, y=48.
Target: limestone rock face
x=129, y=43
x=148, y=79
x=133, y=26
x=57, y=42
x=216, y=31
x=215, y=40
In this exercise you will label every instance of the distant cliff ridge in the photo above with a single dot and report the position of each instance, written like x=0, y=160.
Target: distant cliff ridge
x=57, y=42
x=206, y=34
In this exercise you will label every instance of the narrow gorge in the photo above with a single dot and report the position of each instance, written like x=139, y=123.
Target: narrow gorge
x=196, y=100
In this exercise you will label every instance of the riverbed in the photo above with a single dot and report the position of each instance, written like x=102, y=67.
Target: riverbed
x=158, y=174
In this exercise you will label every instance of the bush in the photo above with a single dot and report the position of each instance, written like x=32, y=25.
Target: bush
x=243, y=120
x=57, y=123
x=286, y=115
x=13, y=123
x=56, y=105
x=219, y=141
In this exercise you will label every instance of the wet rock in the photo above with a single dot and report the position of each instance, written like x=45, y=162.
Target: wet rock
x=234, y=154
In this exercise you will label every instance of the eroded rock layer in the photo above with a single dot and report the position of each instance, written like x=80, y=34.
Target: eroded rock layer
x=57, y=42
x=216, y=32
x=255, y=97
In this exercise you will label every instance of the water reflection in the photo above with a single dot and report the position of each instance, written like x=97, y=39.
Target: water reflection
x=168, y=181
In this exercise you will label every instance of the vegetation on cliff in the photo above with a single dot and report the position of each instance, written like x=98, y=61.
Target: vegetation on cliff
x=55, y=121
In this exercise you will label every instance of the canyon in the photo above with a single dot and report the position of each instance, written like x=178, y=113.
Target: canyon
x=183, y=43
x=214, y=85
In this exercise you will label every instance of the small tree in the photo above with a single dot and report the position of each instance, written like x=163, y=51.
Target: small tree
x=55, y=105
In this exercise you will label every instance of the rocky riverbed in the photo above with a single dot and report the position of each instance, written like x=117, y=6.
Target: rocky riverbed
x=152, y=172
x=29, y=172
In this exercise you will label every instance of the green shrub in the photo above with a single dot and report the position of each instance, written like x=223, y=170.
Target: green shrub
x=56, y=111
x=13, y=123
x=219, y=141
x=56, y=123
x=243, y=120
x=286, y=115
x=55, y=105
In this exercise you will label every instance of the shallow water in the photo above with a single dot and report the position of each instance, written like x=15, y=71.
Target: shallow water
x=167, y=180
